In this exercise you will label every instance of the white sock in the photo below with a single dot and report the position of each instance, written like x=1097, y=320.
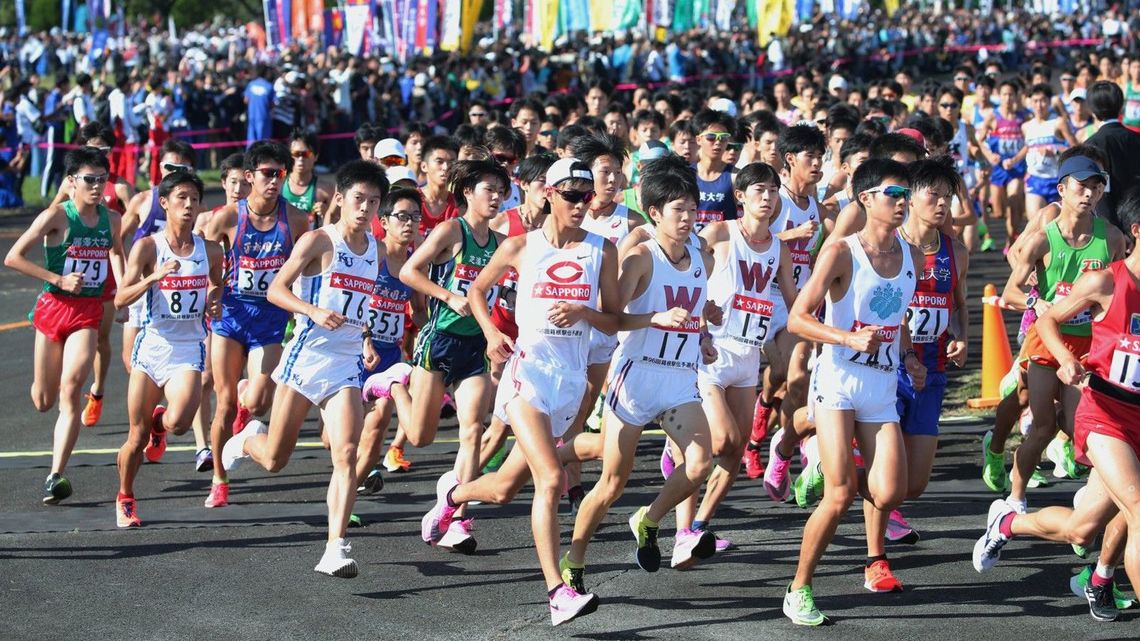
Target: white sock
x=1104, y=571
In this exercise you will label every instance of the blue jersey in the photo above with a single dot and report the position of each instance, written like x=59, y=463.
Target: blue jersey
x=928, y=315
x=718, y=202
x=257, y=256
x=155, y=219
x=387, y=313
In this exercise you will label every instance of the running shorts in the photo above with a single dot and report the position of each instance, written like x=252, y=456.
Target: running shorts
x=1042, y=186
x=252, y=326
x=919, y=410
x=161, y=359
x=602, y=346
x=731, y=368
x=1000, y=176
x=547, y=387
x=1038, y=354
x=316, y=375
x=458, y=357
x=869, y=393
x=1102, y=414
x=58, y=316
x=638, y=393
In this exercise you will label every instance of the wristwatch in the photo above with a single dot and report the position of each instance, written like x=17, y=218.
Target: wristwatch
x=1030, y=302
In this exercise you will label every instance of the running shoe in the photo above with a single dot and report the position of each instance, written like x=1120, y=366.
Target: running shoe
x=761, y=415
x=567, y=603
x=879, y=578
x=458, y=537
x=799, y=606
x=808, y=487
x=496, y=461
x=899, y=531
x=354, y=521
x=648, y=554
x=447, y=409
x=219, y=495
x=92, y=411
x=1038, y=480
x=1021, y=507
x=234, y=451
x=125, y=513
x=376, y=387
x=987, y=243
x=993, y=466
x=573, y=574
x=56, y=489
x=1063, y=456
x=690, y=546
x=595, y=419
x=438, y=519
x=156, y=444
x=776, y=476
x=723, y=545
x=987, y=550
x=1080, y=581
x=335, y=561
x=667, y=464
x=1102, y=607
x=372, y=484
x=574, y=498
x=395, y=462
x=204, y=460
x=243, y=415
x=753, y=466
x=1081, y=551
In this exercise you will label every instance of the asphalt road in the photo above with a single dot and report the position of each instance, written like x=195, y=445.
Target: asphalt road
x=245, y=571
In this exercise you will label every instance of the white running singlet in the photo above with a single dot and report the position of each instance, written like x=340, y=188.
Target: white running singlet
x=669, y=287
x=790, y=217
x=346, y=287
x=743, y=286
x=175, y=307
x=613, y=227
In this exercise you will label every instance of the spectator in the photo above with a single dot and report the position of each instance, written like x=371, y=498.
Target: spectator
x=1119, y=144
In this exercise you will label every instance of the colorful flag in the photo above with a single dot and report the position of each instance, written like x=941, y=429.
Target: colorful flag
x=334, y=27
x=471, y=11
x=450, y=26
x=357, y=21
x=627, y=14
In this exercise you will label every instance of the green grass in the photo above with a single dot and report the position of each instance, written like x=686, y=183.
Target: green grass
x=31, y=187
x=961, y=388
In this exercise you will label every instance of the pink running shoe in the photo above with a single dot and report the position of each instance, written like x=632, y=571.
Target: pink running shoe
x=219, y=495
x=667, y=463
x=723, y=544
x=437, y=521
x=566, y=604
x=776, y=476
x=156, y=444
x=899, y=531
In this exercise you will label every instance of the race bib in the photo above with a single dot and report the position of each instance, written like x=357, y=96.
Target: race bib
x=255, y=274
x=465, y=275
x=386, y=318
x=92, y=262
x=1125, y=367
x=183, y=297
x=882, y=359
x=707, y=216
x=1063, y=290
x=751, y=320
x=679, y=346
x=562, y=285
x=928, y=317
x=354, y=294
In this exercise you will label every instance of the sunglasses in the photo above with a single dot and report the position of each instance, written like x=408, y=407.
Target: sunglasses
x=393, y=161
x=301, y=154
x=1068, y=79
x=713, y=136
x=891, y=191
x=948, y=105
x=575, y=197
x=270, y=173
x=478, y=114
x=92, y=179
x=548, y=132
x=405, y=217
x=104, y=150
x=504, y=159
x=172, y=167
x=735, y=146
x=961, y=79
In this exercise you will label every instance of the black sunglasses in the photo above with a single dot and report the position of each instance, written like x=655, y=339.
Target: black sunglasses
x=575, y=197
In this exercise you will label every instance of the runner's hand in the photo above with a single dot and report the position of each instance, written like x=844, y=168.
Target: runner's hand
x=71, y=283
x=327, y=318
x=956, y=352
x=165, y=269
x=866, y=340
x=1071, y=372
x=459, y=304
x=713, y=313
x=371, y=358
x=214, y=303
x=675, y=317
x=564, y=314
x=499, y=347
x=708, y=352
x=806, y=229
x=917, y=372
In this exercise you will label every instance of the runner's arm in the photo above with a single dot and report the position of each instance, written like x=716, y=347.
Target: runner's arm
x=499, y=345
x=832, y=266
x=441, y=244
x=959, y=341
x=123, y=191
x=141, y=273
x=52, y=221
x=117, y=256
x=850, y=220
x=1065, y=131
x=1093, y=290
x=635, y=237
x=216, y=255
x=785, y=277
x=307, y=251
x=131, y=217
x=606, y=319
x=633, y=279
x=1013, y=295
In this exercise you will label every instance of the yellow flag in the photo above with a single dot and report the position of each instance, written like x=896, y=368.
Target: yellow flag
x=891, y=6
x=601, y=15
x=549, y=22
x=471, y=11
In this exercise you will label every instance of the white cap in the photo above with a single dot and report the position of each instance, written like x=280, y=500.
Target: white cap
x=837, y=82
x=725, y=105
x=400, y=172
x=565, y=169
x=389, y=147
x=1080, y=93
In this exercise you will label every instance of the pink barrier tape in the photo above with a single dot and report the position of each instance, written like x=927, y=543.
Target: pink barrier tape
x=199, y=132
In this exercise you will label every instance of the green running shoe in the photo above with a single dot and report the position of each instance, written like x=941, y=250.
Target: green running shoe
x=993, y=466
x=1081, y=551
x=987, y=244
x=645, y=531
x=573, y=574
x=799, y=606
x=496, y=461
x=56, y=489
x=1038, y=480
x=355, y=521
x=808, y=486
x=1078, y=582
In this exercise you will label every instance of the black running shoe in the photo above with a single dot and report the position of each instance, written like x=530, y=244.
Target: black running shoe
x=56, y=489
x=1102, y=607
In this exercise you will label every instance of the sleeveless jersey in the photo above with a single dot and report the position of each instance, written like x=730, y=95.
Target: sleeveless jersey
x=303, y=201
x=111, y=198
x=84, y=250
x=256, y=256
x=388, y=311
x=1131, y=117
x=744, y=287
x=503, y=312
x=1115, y=351
x=456, y=276
x=1006, y=138
x=1044, y=148
x=176, y=305
x=928, y=315
x=668, y=347
x=870, y=300
x=718, y=201
x=428, y=222
x=548, y=275
x=959, y=149
x=155, y=219
x=1066, y=263
x=613, y=227
x=346, y=286
x=790, y=217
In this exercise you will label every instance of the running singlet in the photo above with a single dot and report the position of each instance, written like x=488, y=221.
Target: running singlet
x=1006, y=139
x=503, y=312
x=718, y=201
x=669, y=287
x=303, y=201
x=84, y=250
x=928, y=315
x=257, y=256
x=388, y=311
x=346, y=286
x=613, y=227
x=176, y=305
x=790, y=217
x=548, y=275
x=1066, y=263
x=870, y=300
x=1044, y=148
x=429, y=222
x=744, y=287
x=155, y=219
x=111, y=198
x=1115, y=351
x=456, y=276
x=1131, y=117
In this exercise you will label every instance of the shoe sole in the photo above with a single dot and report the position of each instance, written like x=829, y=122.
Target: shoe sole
x=590, y=608
x=910, y=538
x=347, y=571
x=705, y=548
x=127, y=526
x=871, y=588
x=806, y=622
x=466, y=546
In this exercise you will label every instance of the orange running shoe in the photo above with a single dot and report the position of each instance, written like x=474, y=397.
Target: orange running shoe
x=125, y=514
x=93, y=411
x=156, y=444
x=879, y=578
x=219, y=495
x=394, y=460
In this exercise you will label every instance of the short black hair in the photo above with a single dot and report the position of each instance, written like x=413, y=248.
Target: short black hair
x=706, y=118
x=681, y=127
x=413, y=128
x=506, y=138
x=95, y=129
x=872, y=173
x=395, y=196
x=800, y=138
x=1106, y=100
x=1128, y=209
x=568, y=134
x=667, y=179
x=1041, y=88
x=465, y=174
x=932, y=172
x=176, y=178
x=81, y=157
x=534, y=166
x=368, y=133
x=854, y=145
x=529, y=104
x=593, y=146
x=436, y=143
x=309, y=139
x=231, y=162
x=893, y=143
x=263, y=150
x=766, y=122
x=467, y=136
x=753, y=173
x=359, y=171
x=647, y=115
x=180, y=147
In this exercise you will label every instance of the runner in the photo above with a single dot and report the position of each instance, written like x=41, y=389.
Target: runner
x=1003, y=141
x=82, y=250
x=1046, y=136
x=855, y=369
x=258, y=234
x=714, y=175
x=324, y=367
x=1107, y=420
x=663, y=287
x=1074, y=243
x=561, y=291
x=179, y=277
x=302, y=189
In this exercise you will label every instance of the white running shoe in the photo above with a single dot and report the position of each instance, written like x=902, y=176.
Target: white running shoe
x=566, y=604
x=335, y=561
x=458, y=537
x=437, y=521
x=1021, y=507
x=234, y=451
x=690, y=546
x=987, y=550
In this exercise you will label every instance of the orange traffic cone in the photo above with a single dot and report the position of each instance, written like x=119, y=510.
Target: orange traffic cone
x=996, y=357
